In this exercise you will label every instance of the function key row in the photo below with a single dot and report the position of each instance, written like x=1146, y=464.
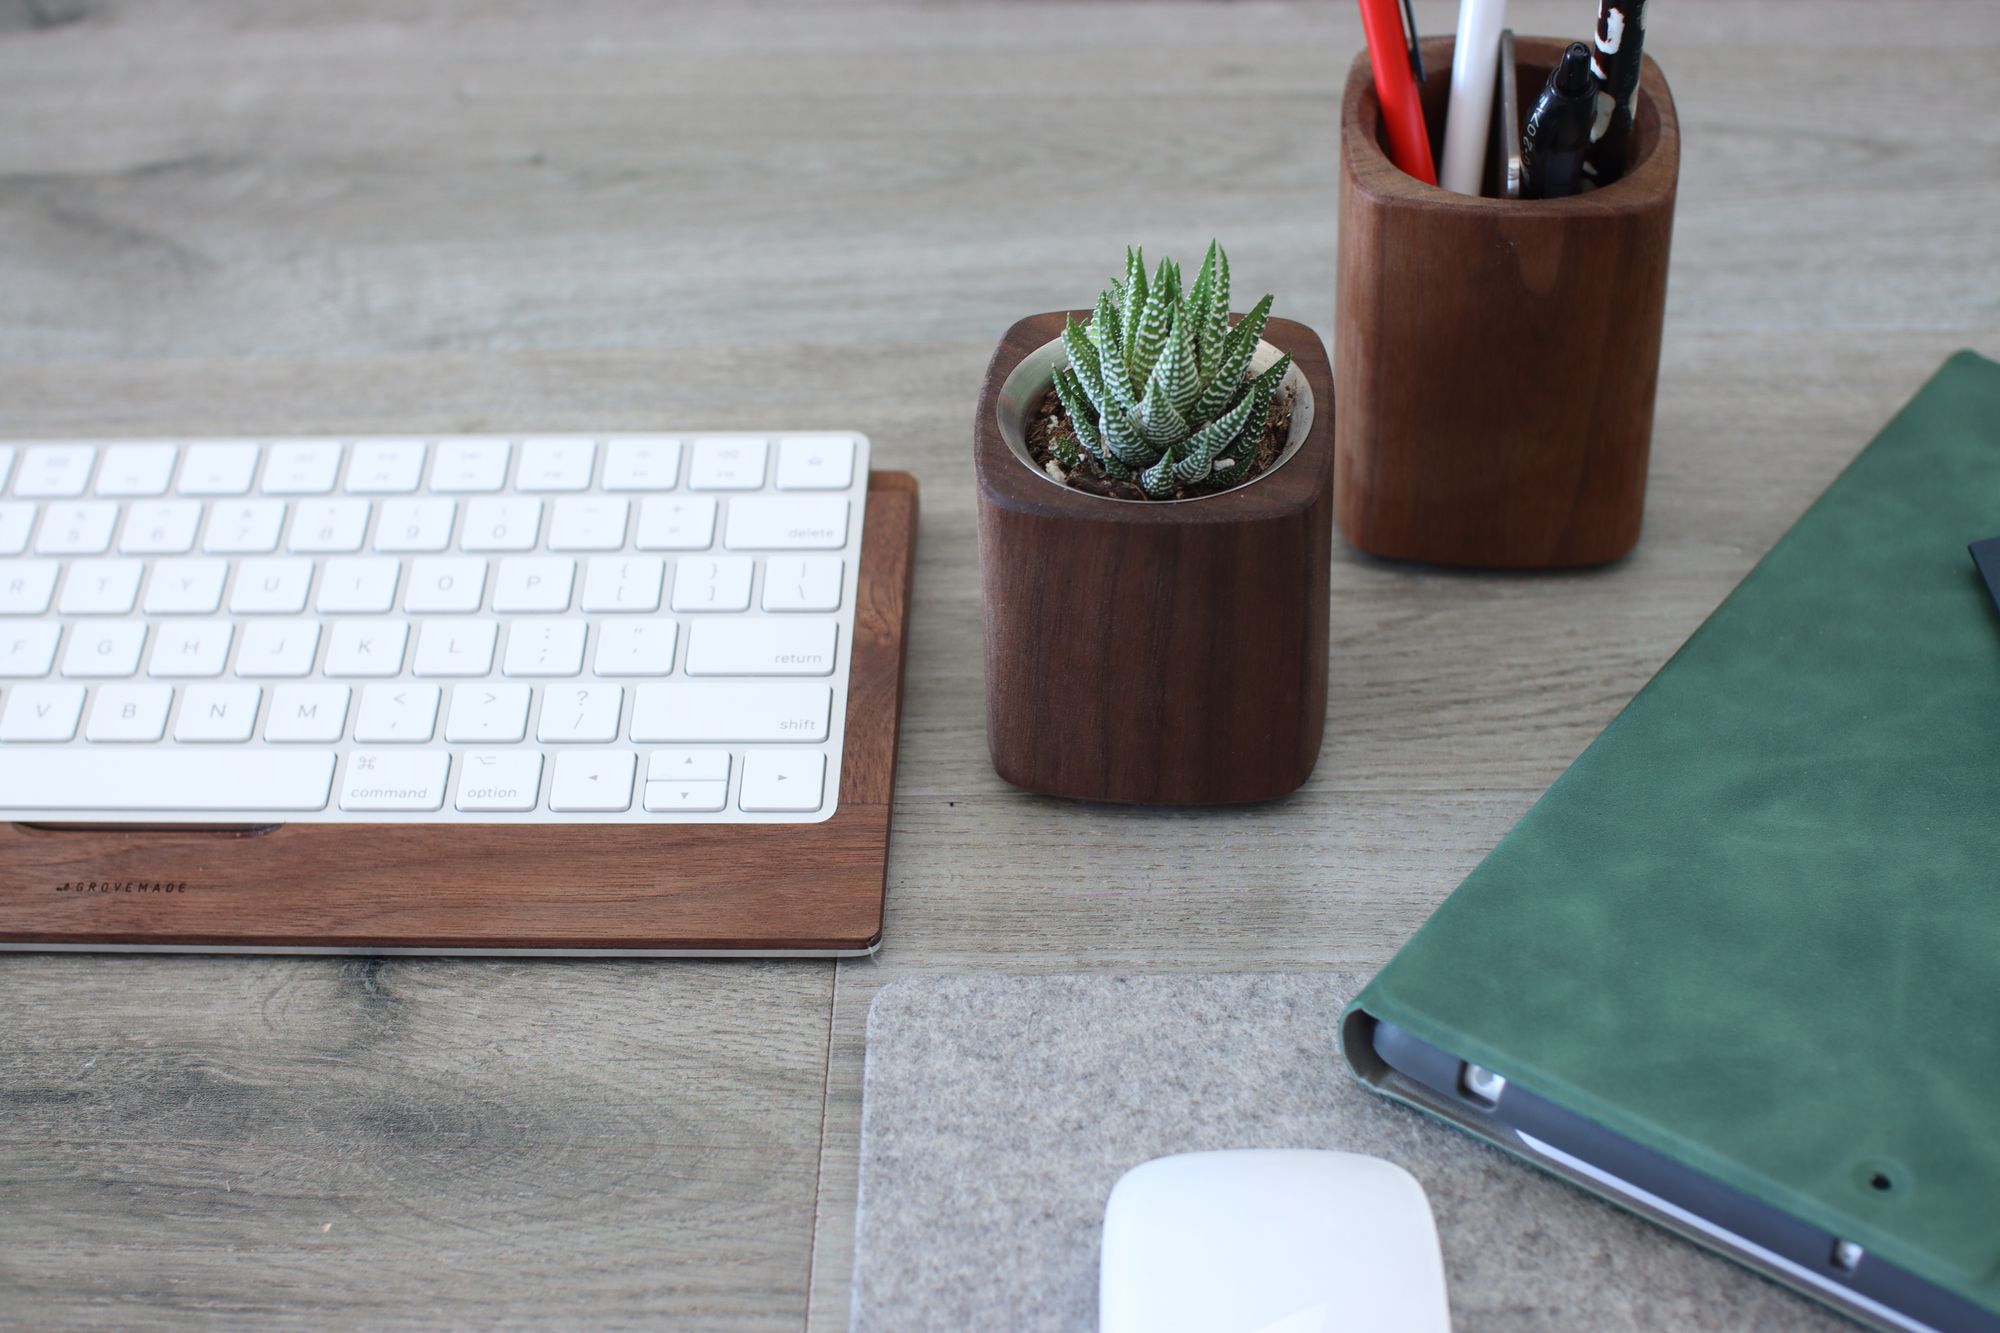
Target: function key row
x=397, y=467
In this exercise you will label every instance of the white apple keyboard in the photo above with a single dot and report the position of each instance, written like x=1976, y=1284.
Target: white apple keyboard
x=559, y=629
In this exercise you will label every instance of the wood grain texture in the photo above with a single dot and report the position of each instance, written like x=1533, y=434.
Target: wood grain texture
x=1498, y=357
x=361, y=217
x=474, y=886
x=1172, y=653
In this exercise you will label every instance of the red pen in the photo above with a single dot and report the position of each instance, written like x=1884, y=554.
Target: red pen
x=1396, y=89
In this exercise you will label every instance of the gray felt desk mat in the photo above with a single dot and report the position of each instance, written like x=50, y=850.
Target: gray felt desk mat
x=999, y=1111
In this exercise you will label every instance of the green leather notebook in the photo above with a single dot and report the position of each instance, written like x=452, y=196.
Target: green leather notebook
x=1756, y=926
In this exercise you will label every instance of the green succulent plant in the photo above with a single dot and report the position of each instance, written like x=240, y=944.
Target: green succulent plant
x=1157, y=384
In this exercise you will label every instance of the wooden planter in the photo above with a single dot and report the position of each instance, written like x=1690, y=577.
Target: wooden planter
x=1496, y=357
x=1144, y=652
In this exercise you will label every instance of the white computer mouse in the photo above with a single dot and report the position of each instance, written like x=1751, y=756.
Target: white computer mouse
x=1260, y=1241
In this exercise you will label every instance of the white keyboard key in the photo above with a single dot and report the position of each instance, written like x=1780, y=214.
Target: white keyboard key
x=556, y=465
x=328, y=526
x=136, y=469
x=593, y=780
x=218, y=714
x=544, y=647
x=787, y=523
x=101, y=587
x=278, y=648
x=803, y=583
x=415, y=525
x=445, y=585
x=271, y=585
x=40, y=713
x=499, y=780
x=244, y=527
x=186, y=587
x=385, y=467
x=54, y=470
x=26, y=586
x=138, y=781
x=79, y=527
x=394, y=780
x=686, y=797
x=316, y=713
x=641, y=465
x=676, y=523
x=456, y=648
x=512, y=524
x=400, y=712
x=367, y=647
x=761, y=647
x=635, y=648
x=28, y=649
x=105, y=651
x=190, y=648
x=688, y=766
x=469, y=467
x=586, y=714
x=219, y=469
x=629, y=583
x=718, y=583
x=727, y=464
x=301, y=467
x=776, y=781
x=6, y=462
x=160, y=527
x=488, y=713
x=815, y=463
x=588, y=523
x=129, y=713
x=730, y=711
x=359, y=585
x=534, y=583
x=17, y=520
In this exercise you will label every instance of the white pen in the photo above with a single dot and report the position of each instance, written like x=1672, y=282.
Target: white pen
x=1474, y=62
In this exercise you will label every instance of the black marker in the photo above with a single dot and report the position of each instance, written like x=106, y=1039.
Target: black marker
x=1621, y=40
x=1558, y=129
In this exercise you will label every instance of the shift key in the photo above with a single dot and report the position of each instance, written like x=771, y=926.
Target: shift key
x=730, y=711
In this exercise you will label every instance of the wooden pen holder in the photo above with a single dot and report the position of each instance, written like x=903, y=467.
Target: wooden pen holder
x=1495, y=359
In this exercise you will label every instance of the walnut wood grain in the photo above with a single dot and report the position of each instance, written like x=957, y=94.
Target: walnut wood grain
x=1498, y=358
x=1155, y=654
x=456, y=886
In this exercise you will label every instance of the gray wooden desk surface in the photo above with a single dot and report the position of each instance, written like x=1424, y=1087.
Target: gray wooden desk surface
x=228, y=216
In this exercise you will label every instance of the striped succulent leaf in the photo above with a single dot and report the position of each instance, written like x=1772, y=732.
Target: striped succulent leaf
x=1123, y=441
x=1237, y=349
x=1084, y=362
x=1146, y=344
x=1159, y=420
x=1199, y=452
x=1208, y=301
x=1175, y=374
x=1104, y=334
x=1081, y=413
x=1132, y=295
x=1158, y=480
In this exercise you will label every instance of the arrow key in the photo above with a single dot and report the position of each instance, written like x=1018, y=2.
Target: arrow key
x=662, y=797
x=688, y=766
x=783, y=780
x=598, y=780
